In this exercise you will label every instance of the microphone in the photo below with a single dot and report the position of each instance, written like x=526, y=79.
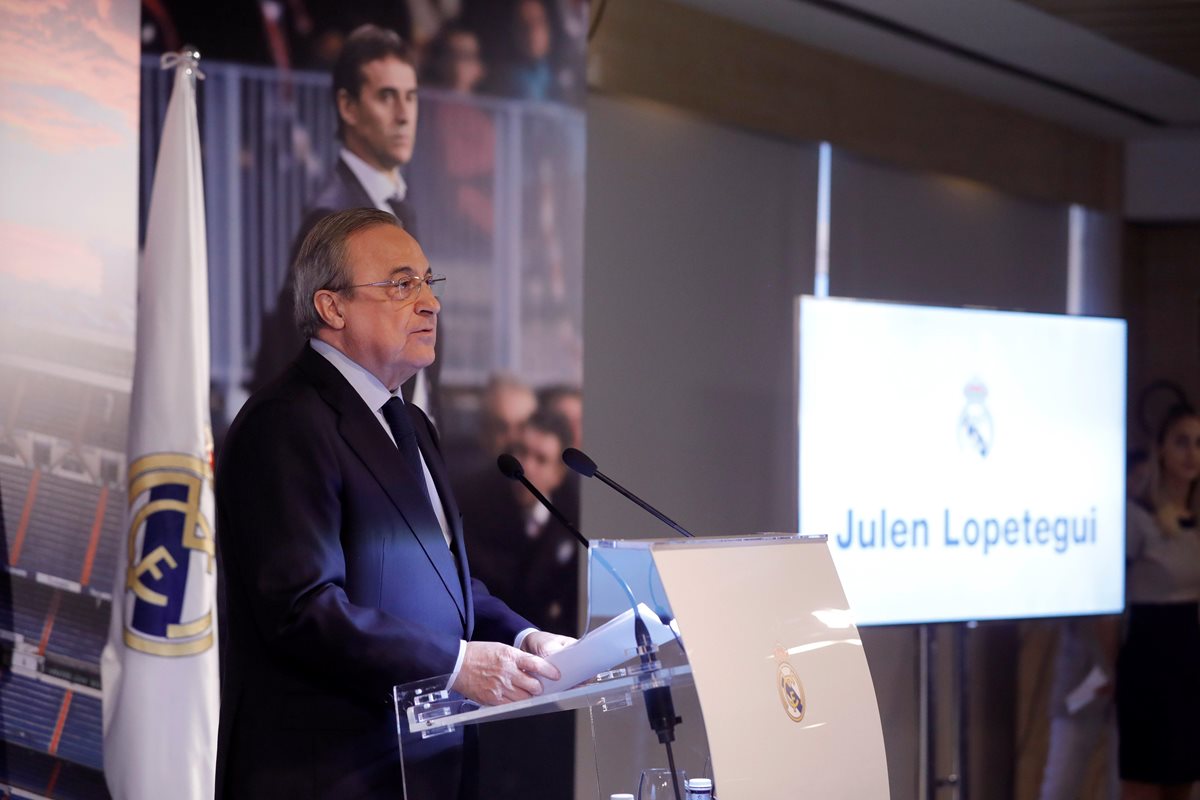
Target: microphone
x=578, y=461
x=660, y=710
x=512, y=469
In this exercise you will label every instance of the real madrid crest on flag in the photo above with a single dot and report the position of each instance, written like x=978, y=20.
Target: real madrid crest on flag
x=171, y=550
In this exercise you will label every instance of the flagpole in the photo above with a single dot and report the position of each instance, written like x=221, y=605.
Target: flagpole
x=159, y=668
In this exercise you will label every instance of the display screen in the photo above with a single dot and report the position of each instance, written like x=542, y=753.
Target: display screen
x=965, y=464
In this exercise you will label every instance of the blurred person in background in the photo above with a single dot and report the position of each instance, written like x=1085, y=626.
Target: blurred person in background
x=287, y=34
x=515, y=541
x=507, y=404
x=429, y=17
x=567, y=401
x=453, y=60
x=375, y=98
x=1083, y=722
x=528, y=556
x=527, y=66
x=551, y=560
x=460, y=151
x=1158, y=669
x=1137, y=473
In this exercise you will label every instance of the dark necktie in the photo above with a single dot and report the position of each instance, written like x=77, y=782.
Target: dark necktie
x=406, y=440
x=403, y=212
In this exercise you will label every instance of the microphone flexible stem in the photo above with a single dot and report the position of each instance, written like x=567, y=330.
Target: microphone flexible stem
x=631, y=496
x=674, y=772
x=553, y=509
x=660, y=708
x=640, y=630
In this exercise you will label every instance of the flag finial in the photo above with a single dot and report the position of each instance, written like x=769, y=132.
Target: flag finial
x=188, y=58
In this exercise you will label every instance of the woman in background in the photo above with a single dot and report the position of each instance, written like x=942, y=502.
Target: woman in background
x=458, y=166
x=1158, y=670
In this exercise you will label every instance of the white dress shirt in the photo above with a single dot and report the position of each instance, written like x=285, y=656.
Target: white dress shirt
x=379, y=185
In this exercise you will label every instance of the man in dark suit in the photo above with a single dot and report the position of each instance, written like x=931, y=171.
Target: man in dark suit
x=344, y=562
x=375, y=97
x=522, y=552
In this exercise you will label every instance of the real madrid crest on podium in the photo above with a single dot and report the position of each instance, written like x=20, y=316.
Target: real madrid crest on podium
x=975, y=422
x=170, y=549
x=791, y=690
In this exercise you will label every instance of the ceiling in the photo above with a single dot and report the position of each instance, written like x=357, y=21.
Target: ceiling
x=1122, y=69
x=1168, y=32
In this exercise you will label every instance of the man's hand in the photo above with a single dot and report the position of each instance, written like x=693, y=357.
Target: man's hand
x=493, y=673
x=544, y=644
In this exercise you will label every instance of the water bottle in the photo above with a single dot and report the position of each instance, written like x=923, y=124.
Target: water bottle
x=699, y=789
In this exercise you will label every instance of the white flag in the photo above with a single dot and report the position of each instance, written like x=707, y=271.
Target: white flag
x=159, y=668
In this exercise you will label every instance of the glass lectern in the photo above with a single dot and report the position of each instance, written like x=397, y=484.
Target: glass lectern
x=753, y=639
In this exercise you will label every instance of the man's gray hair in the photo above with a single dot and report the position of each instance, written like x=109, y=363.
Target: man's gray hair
x=321, y=261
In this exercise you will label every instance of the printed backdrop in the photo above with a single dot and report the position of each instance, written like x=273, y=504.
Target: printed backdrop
x=496, y=184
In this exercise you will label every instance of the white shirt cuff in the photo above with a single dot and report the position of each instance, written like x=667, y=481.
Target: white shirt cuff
x=520, y=640
x=462, y=653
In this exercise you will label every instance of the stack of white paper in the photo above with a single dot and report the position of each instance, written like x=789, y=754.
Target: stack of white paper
x=604, y=648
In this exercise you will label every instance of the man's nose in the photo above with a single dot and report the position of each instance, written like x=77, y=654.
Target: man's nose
x=426, y=302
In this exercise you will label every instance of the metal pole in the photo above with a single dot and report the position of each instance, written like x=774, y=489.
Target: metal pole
x=926, y=782
x=964, y=707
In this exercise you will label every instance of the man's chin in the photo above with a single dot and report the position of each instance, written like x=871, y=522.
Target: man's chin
x=423, y=363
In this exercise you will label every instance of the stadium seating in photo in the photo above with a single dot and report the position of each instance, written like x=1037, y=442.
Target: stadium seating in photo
x=105, y=419
x=14, y=484
x=77, y=624
x=27, y=608
x=56, y=542
x=55, y=538
x=51, y=406
x=47, y=776
x=108, y=549
x=79, y=783
x=81, y=735
x=80, y=628
x=27, y=769
x=32, y=710
x=66, y=409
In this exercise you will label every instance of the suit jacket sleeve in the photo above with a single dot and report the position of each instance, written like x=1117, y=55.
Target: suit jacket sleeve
x=494, y=620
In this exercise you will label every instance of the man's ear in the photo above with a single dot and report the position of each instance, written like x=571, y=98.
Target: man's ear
x=330, y=308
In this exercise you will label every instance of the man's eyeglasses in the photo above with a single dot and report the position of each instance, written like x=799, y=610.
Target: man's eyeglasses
x=406, y=288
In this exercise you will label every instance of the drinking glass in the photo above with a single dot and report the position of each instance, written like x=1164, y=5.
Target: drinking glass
x=656, y=784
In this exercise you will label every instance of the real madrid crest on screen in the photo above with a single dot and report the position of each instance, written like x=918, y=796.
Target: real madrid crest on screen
x=975, y=423
x=791, y=690
x=170, y=549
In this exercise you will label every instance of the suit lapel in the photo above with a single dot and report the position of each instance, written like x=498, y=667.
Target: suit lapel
x=358, y=196
x=365, y=436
